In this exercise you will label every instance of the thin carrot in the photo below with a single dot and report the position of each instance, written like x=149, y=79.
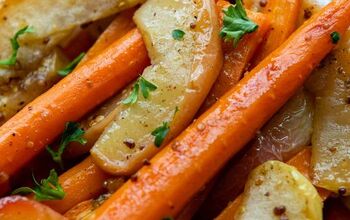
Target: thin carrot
x=120, y=26
x=17, y=207
x=40, y=122
x=284, y=18
x=192, y=159
x=82, y=182
x=301, y=161
x=236, y=59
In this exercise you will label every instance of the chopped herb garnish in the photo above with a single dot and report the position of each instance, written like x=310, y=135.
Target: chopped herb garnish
x=178, y=34
x=15, y=46
x=335, y=37
x=72, y=133
x=70, y=67
x=47, y=189
x=168, y=218
x=236, y=23
x=146, y=88
x=160, y=133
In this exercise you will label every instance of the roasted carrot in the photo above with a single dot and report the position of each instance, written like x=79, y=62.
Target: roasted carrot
x=193, y=158
x=17, y=207
x=39, y=123
x=284, y=18
x=301, y=161
x=120, y=26
x=236, y=59
x=82, y=182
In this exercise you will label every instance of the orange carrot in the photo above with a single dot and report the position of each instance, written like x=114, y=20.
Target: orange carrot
x=120, y=26
x=236, y=59
x=82, y=182
x=284, y=18
x=17, y=207
x=40, y=122
x=301, y=161
x=193, y=158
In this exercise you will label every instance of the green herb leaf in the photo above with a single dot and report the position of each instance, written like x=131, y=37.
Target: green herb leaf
x=160, y=133
x=146, y=88
x=335, y=37
x=72, y=133
x=70, y=67
x=168, y=218
x=178, y=34
x=236, y=23
x=47, y=189
x=15, y=46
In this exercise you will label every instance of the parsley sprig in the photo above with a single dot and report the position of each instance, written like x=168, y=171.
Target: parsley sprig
x=160, y=133
x=145, y=86
x=70, y=67
x=47, y=189
x=72, y=133
x=15, y=46
x=178, y=34
x=236, y=23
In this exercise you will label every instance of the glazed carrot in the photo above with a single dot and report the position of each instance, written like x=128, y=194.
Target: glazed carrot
x=17, y=207
x=193, y=158
x=39, y=123
x=236, y=59
x=284, y=18
x=301, y=161
x=120, y=26
x=117, y=29
x=81, y=210
x=82, y=182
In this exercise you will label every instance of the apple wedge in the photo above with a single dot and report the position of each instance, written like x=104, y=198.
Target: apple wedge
x=276, y=190
x=182, y=38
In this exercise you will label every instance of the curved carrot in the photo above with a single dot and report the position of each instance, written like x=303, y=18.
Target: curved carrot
x=17, y=207
x=120, y=26
x=82, y=182
x=301, y=161
x=284, y=18
x=236, y=59
x=37, y=125
x=189, y=161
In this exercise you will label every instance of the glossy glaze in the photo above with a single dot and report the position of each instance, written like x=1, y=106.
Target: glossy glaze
x=39, y=123
x=193, y=158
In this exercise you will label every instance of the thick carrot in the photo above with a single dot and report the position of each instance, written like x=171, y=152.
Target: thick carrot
x=39, y=123
x=301, y=161
x=82, y=182
x=284, y=18
x=236, y=59
x=193, y=158
x=17, y=207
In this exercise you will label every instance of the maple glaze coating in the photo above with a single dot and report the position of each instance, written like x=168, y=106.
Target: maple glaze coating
x=192, y=159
